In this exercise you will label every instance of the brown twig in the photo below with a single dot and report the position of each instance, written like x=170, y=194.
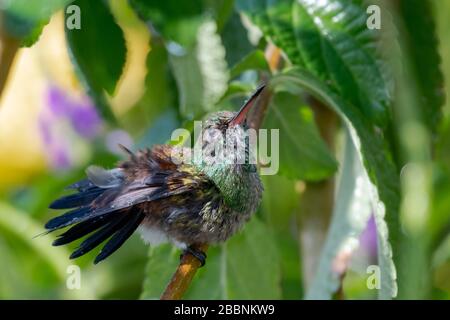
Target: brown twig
x=182, y=278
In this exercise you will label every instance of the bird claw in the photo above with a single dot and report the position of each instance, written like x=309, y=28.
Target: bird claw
x=200, y=255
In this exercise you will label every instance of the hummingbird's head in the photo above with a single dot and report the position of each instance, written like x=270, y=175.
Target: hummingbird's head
x=226, y=138
x=226, y=155
x=224, y=120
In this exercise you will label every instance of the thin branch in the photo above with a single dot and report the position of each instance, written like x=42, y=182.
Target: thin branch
x=189, y=265
x=183, y=276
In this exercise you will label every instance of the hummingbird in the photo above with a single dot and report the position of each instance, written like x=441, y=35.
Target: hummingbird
x=162, y=198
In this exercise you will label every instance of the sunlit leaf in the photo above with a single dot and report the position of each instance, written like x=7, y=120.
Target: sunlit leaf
x=352, y=209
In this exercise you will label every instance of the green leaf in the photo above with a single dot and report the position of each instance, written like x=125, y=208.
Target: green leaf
x=236, y=47
x=245, y=267
x=196, y=52
x=201, y=73
x=33, y=36
x=28, y=32
x=422, y=44
x=377, y=161
x=25, y=20
x=222, y=11
x=253, y=61
x=302, y=152
x=331, y=40
x=237, y=89
x=417, y=111
x=162, y=13
x=98, y=51
x=35, y=11
x=177, y=20
x=23, y=228
x=162, y=262
x=159, y=96
x=279, y=212
x=353, y=207
x=186, y=70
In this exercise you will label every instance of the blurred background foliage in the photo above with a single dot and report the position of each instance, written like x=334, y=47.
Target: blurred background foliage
x=366, y=184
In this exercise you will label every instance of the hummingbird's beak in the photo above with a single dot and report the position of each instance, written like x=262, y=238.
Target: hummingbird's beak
x=240, y=117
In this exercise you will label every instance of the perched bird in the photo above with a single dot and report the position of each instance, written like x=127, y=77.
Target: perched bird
x=166, y=200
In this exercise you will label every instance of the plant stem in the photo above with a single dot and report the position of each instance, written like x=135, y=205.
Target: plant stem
x=8, y=50
x=186, y=270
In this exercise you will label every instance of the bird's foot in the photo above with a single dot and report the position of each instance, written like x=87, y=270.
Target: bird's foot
x=200, y=255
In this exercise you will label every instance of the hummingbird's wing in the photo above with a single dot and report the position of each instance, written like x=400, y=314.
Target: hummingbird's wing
x=105, y=202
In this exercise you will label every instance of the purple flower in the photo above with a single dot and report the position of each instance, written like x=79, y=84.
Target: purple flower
x=63, y=113
x=368, y=239
x=58, y=102
x=80, y=112
x=45, y=131
x=60, y=158
x=85, y=120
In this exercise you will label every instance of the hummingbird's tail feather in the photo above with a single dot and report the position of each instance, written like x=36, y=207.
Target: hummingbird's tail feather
x=82, y=205
x=83, y=229
x=78, y=199
x=118, y=226
x=103, y=233
x=118, y=239
x=102, y=209
x=68, y=218
x=99, y=181
x=101, y=187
